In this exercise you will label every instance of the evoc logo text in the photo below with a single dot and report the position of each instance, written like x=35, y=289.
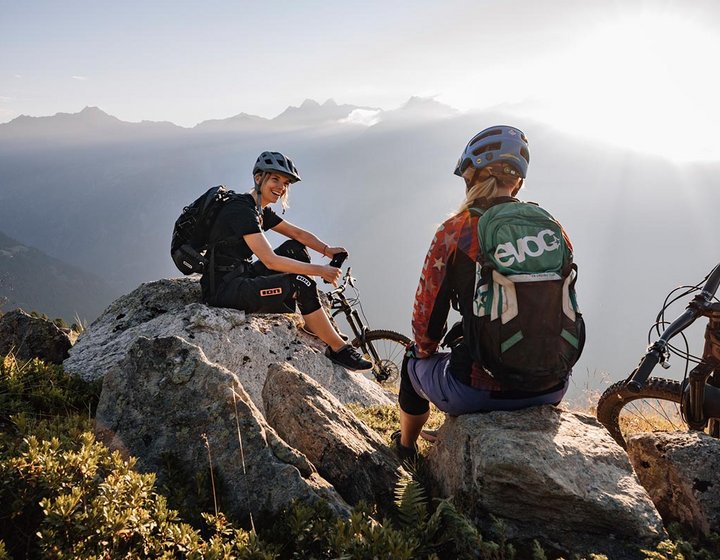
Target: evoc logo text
x=529, y=246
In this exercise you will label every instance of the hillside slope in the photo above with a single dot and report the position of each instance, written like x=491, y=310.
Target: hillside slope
x=34, y=281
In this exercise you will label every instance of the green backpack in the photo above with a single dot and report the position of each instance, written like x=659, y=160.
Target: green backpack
x=526, y=329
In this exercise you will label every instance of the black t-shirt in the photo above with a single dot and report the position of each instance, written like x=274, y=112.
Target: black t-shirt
x=237, y=218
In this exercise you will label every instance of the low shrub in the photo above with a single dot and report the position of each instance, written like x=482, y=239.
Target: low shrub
x=64, y=495
x=79, y=500
x=41, y=390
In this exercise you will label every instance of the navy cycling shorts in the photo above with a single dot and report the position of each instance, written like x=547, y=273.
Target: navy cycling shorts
x=430, y=380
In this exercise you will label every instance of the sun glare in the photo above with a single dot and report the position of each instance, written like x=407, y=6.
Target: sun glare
x=647, y=82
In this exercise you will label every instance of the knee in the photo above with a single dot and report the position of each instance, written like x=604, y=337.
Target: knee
x=307, y=294
x=408, y=399
x=293, y=249
x=305, y=284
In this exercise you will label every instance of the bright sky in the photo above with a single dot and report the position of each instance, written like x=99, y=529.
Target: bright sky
x=641, y=74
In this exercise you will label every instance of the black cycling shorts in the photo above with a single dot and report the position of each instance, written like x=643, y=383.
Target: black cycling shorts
x=408, y=399
x=266, y=291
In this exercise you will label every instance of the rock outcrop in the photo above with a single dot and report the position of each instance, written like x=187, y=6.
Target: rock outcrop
x=681, y=473
x=348, y=454
x=29, y=337
x=244, y=345
x=550, y=475
x=166, y=402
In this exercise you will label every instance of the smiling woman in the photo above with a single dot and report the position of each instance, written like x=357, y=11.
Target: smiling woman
x=646, y=82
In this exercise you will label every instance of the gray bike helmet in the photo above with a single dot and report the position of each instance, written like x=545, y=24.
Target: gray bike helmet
x=275, y=161
x=497, y=143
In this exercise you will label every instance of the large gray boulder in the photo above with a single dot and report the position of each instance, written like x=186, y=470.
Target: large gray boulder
x=681, y=472
x=166, y=403
x=28, y=337
x=550, y=475
x=348, y=454
x=243, y=344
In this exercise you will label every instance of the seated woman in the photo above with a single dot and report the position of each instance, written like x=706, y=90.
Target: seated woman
x=493, y=167
x=280, y=279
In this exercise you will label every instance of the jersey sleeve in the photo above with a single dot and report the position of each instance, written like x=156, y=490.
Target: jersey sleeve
x=433, y=296
x=241, y=219
x=270, y=218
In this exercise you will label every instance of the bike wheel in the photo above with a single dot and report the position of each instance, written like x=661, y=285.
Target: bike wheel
x=655, y=407
x=390, y=349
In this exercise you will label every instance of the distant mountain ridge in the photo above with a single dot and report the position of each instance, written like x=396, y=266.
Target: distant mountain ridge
x=34, y=281
x=87, y=120
x=309, y=113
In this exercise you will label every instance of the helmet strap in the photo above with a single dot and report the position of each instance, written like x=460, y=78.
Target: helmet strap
x=517, y=189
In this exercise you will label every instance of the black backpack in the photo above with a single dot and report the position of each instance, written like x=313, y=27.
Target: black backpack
x=189, y=246
x=526, y=328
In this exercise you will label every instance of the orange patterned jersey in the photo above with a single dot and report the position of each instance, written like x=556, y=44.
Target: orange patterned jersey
x=434, y=294
x=448, y=275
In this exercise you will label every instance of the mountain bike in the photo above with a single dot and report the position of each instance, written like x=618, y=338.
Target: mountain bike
x=385, y=349
x=641, y=402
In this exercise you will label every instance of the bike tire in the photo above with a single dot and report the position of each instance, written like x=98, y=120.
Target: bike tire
x=390, y=346
x=657, y=393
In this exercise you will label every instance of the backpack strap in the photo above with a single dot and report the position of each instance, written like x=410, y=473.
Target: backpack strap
x=212, y=268
x=486, y=267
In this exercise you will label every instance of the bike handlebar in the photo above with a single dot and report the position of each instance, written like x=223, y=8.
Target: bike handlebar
x=337, y=261
x=711, y=286
x=658, y=351
x=643, y=371
x=347, y=279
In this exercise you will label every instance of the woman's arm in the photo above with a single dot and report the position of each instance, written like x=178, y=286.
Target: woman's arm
x=433, y=295
x=306, y=238
x=259, y=245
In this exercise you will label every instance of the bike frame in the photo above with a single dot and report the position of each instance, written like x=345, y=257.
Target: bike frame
x=340, y=304
x=701, y=398
x=700, y=405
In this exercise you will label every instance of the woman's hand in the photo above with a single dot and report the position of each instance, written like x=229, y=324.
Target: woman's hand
x=330, y=274
x=332, y=251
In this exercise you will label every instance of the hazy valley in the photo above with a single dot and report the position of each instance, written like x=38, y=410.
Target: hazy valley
x=102, y=195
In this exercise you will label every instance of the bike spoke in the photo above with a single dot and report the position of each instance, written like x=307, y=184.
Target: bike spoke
x=651, y=414
x=386, y=350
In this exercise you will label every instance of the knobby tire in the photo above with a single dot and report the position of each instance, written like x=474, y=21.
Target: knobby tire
x=391, y=355
x=618, y=396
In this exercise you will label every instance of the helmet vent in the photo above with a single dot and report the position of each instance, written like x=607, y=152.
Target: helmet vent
x=487, y=148
x=525, y=154
x=493, y=132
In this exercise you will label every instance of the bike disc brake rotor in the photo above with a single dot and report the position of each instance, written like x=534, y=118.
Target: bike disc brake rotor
x=386, y=371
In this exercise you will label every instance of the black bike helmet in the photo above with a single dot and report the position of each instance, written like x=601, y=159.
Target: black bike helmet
x=275, y=161
x=497, y=143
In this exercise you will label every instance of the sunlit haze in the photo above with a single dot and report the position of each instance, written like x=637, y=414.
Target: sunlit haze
x=643, y=82
x=634, y=74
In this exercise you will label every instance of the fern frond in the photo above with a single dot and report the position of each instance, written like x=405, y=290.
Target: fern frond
x=455, y=526
x=412, y=503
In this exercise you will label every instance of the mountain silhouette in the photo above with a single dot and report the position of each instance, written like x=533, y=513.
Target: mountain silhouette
x=312, y=113
x=88, y=126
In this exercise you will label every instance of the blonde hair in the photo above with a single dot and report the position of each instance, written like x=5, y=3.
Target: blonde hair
x=285, y=199
x=487, y=189
x=483, y=189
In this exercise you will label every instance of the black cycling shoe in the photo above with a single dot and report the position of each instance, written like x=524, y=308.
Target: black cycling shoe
x=306, y=330
x=349, y=358
x=405, y=454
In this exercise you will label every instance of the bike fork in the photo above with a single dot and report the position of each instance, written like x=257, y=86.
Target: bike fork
x=714, y=427
x=701, y=402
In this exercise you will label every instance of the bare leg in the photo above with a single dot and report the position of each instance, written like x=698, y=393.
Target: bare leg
x=410, y=427
x=320, y=325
